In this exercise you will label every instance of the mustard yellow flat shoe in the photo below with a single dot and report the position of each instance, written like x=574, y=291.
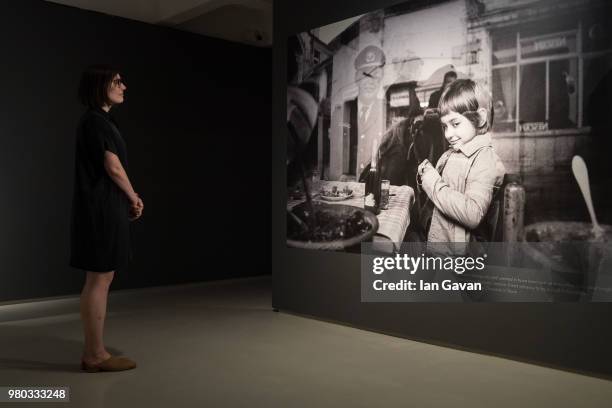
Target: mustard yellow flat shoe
x=113, y=363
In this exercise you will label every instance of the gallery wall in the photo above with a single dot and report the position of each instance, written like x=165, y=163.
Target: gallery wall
x=196, y=120
x=327, y=285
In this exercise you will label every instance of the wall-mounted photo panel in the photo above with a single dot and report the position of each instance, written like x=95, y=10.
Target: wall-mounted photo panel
x=450, y=125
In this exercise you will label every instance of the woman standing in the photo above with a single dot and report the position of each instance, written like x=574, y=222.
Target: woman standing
x=104, y=203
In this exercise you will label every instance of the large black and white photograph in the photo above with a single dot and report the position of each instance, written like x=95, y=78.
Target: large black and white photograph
x=451, y=121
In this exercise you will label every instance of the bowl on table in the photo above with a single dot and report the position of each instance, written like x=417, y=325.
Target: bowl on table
x=335, y=227
x=572, y=254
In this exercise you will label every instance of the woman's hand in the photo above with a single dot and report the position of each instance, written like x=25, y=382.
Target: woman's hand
x=133, y=200
x=136, y=208
x=140, y=206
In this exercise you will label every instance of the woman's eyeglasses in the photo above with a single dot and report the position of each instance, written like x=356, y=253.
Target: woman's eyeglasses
x=118, y=82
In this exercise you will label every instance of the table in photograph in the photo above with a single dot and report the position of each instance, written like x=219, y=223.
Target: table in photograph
x=392, y=223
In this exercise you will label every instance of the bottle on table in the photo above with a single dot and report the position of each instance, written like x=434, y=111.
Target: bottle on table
x=372, y=183
x=514, y=209
x=385, y=185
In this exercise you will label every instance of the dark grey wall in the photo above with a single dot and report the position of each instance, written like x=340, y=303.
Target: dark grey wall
x=197, y=124
x=327, y=285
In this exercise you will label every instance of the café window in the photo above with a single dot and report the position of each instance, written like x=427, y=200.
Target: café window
x=597, y=85
x=538, y=70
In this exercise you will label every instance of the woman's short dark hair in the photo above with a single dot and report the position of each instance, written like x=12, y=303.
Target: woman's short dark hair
x=94, y=85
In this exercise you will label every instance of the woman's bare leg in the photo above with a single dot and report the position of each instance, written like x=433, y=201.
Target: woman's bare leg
x=93, y=314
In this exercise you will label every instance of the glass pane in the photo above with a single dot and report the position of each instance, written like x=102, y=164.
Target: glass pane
x=504, y=46
x=597, y=94
x=532, y=94
x=596, y=31
x=563, y=96
x=547, y=26
x=553, y=44
x=424, y=96
x=504, y=99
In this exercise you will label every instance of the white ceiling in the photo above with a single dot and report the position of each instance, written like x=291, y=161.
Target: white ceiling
x=245, y=21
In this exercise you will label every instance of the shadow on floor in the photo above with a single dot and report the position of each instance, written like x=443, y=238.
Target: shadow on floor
x=22, y=348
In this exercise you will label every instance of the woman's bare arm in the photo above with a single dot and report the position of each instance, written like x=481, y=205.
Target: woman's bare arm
x=117, y=173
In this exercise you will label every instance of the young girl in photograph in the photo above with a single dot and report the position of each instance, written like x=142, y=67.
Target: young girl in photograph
x=462, y=185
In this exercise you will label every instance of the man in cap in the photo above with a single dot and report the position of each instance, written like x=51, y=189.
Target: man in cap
x=434, y=99
x=370, y=123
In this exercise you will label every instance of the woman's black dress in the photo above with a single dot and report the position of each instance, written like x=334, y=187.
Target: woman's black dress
x=100, y=229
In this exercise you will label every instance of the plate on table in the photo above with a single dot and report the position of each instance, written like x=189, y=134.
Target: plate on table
x=340, y=197
x=335, y=194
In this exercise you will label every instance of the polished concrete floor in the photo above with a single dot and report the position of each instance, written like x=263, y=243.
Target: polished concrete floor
x=220, y=345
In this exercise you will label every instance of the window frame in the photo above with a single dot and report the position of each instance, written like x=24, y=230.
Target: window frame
x=579, y=55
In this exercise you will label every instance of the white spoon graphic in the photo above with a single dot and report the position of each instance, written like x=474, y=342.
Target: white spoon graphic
x=582, y=177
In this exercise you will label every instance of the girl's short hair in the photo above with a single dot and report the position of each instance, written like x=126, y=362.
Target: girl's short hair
x=94, y=85
x=465, y=97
